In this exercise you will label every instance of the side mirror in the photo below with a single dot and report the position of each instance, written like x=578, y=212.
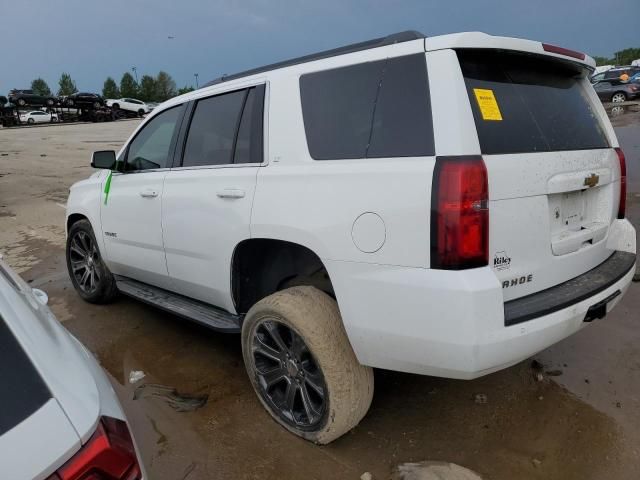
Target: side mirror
x=104, y=159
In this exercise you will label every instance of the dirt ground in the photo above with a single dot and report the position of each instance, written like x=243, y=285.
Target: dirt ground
x=582, y=421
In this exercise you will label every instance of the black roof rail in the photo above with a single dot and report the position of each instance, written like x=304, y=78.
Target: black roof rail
x=400, y=37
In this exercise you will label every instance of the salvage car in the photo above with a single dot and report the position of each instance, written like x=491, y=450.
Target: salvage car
x=29, y=97
x=129, y=104
x=617, y=91
x=343, y=214
x=83, y=99
x=59, y=416
x=38, y=116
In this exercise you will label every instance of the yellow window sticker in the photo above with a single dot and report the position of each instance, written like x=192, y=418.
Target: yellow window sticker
x=488, y=105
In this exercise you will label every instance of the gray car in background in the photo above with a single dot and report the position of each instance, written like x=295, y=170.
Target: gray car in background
x=617, y=91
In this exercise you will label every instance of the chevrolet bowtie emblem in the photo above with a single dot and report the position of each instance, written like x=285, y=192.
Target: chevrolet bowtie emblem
x=592, y=180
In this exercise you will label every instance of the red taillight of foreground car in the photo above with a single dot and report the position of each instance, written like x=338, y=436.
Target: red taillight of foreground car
x=459, y=213
x=547, y=47
x=622, y=205
x=108, y=455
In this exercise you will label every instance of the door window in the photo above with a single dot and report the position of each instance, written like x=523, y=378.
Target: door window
x=151, y=148
x=225, y=129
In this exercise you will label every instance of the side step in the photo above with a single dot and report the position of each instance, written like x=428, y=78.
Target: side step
x=185, y=307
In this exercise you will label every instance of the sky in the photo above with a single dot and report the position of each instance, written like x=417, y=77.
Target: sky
x=94, y=39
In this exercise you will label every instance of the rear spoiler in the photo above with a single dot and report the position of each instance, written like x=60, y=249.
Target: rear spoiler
x=482, y=40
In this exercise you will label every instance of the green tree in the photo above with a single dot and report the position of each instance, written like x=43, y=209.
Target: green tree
x=147, y=89
x=66, y=84
x=110, y=89
x=602, y=60
x=40, y=87
x=185, y=89
x=128, y=86
x=626, y=56
x=165, y=86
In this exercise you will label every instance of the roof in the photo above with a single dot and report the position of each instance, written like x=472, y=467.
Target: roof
x=399, y=37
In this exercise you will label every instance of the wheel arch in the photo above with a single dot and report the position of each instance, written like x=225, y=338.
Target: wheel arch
x=262, y=266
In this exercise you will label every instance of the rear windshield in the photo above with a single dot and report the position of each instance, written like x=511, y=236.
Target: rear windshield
x=523, y=103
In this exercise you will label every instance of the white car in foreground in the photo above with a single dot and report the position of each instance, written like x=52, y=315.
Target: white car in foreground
x=59, y=417
x=444, y=206
x=129, y=104
x=38, y=116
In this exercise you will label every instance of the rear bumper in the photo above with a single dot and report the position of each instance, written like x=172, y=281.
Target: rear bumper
x=452, y=324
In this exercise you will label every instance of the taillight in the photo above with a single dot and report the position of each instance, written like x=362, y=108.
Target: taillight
x=108, y=455
x=622, y=205
x=547, y=47
x=459, y=213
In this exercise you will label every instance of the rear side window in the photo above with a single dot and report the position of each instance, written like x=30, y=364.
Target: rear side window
x=226, y=129
x=541, y=102
x=375, y=109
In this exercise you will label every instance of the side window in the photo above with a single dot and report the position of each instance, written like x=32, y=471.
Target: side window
x=151, y=148
x=375, y=109
x=249, y=147
x=225, y=129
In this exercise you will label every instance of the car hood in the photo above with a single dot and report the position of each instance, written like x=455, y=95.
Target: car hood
x=55, y=354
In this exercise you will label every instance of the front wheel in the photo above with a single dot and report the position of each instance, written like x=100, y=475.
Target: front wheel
x=302, y=366
x=618, y=97
x=90, y=276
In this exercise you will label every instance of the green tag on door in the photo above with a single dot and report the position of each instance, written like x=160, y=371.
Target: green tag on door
x=107, y=187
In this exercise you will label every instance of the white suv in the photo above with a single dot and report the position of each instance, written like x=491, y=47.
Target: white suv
x=445, y=206
x=129, y=104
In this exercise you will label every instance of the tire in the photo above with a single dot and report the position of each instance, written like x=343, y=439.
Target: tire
x=31, y=121
x=99, y=285
x=308, y=356
x=54, y=120
x=619, y=97
x=97, y=105
x=115, y=106
x=21, y=102
x=69, y=102
x=50, y=102
x=141, y=113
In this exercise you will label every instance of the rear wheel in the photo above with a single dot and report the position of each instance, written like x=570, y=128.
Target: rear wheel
x=31, y=121
x=302, y=366
x=619, y=97
x=21, y=102
x=90, y=276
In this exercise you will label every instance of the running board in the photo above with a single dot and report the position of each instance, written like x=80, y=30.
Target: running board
x=185, y=307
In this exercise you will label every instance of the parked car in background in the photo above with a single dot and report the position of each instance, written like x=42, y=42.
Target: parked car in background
x=617, y=91
x=83, y=99
x=336, y=211
x=129, y=104
x=28, y=97
x=3, y=100
x=617, y=72
x=60, y=418
x=38, y=116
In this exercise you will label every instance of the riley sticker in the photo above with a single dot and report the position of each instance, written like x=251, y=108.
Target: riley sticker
x=501, y=261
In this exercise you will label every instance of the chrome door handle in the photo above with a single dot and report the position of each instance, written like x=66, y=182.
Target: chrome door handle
x=231, y=193
x=149, y=193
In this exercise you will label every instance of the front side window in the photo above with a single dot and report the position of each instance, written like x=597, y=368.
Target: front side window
x=151, y=148
x=369, y=110
x=226, y=129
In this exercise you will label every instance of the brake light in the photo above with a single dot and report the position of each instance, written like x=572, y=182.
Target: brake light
x=108, y=455
x=547, y=47
x=459, y=213
x=622, y=205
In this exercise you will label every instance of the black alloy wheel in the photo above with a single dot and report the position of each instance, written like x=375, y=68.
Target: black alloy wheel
x=289, y=379
x=84, y=261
